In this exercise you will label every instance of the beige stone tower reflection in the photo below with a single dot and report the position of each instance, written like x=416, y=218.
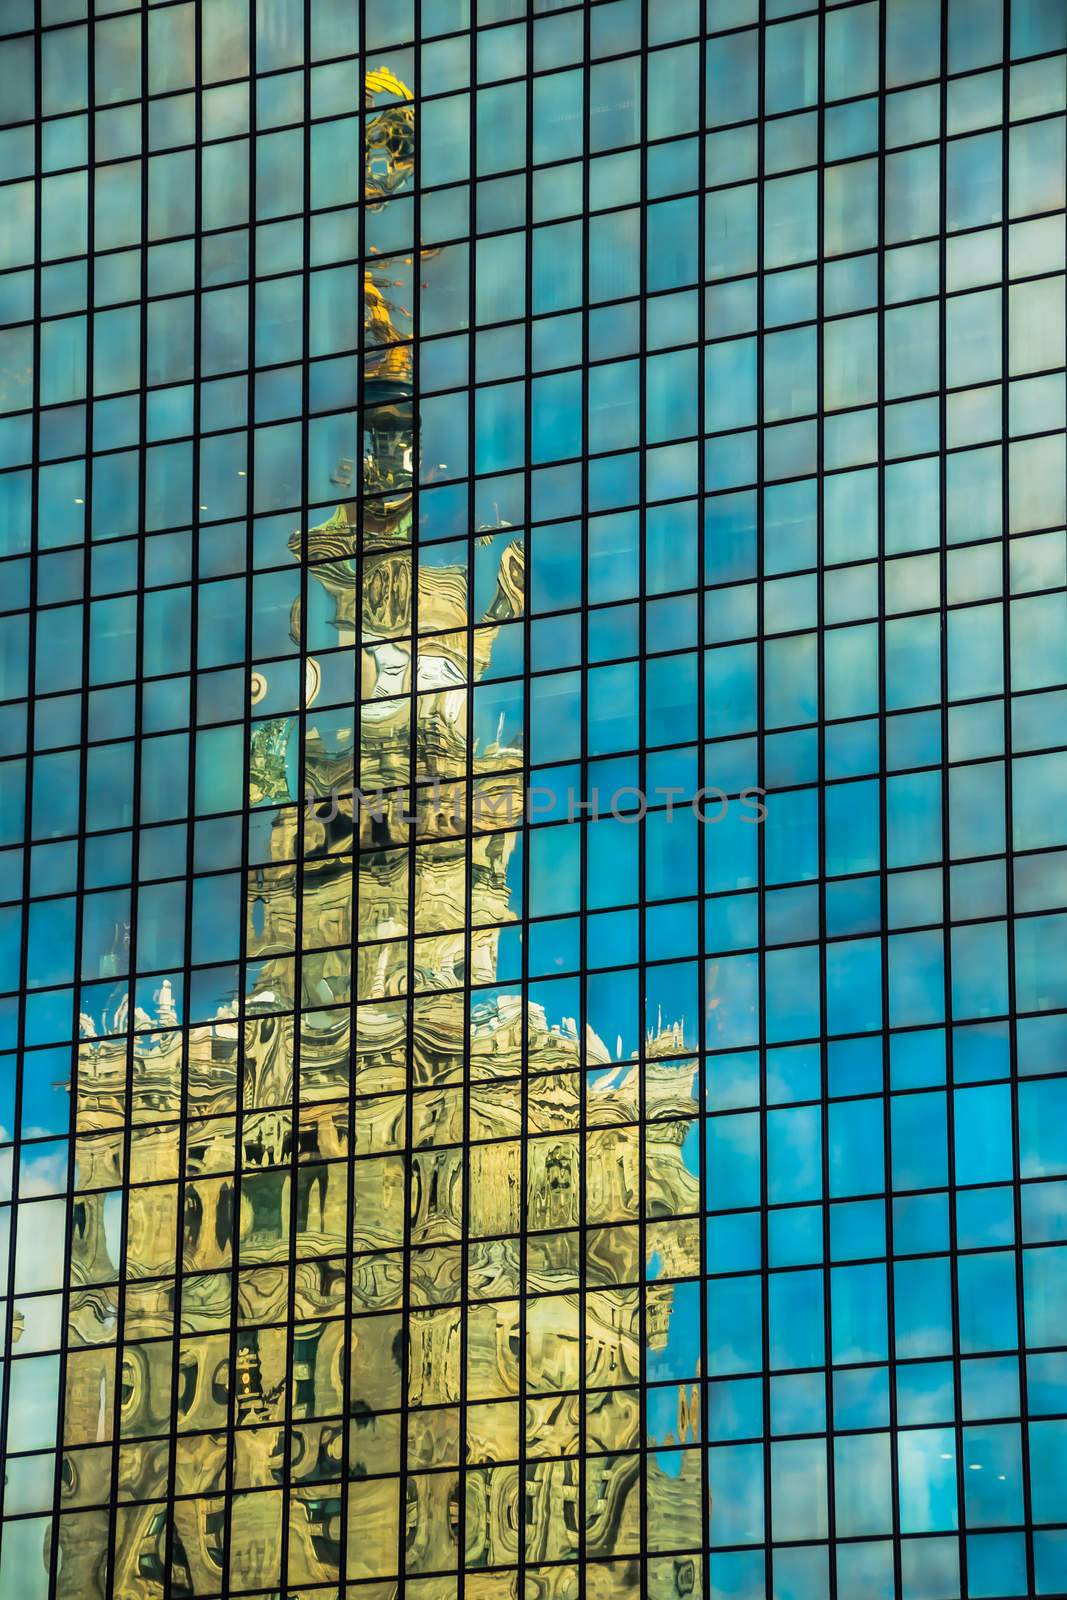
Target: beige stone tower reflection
x=363, y=1186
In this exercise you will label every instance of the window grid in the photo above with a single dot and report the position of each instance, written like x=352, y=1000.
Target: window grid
x=721, y=477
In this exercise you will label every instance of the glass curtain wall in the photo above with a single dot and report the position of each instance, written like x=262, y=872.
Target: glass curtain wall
x=533, y=743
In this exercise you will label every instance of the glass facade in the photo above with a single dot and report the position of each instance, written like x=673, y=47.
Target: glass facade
x=533, y=718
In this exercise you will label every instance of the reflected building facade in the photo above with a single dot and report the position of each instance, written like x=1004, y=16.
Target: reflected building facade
x=455, y=461
x=386, y=1157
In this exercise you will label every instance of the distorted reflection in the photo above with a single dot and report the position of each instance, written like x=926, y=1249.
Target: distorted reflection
x=363, y=1185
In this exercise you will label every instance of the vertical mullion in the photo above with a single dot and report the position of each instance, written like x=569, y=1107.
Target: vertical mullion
x=287, y=1498
x=406, y=812
x=523, y=1467
x=761, y=914
x=883, y=824
x=121, y=1341
x=703, y=1386
x=944, y=772
x=237, y=1178
x=820, y=690
x=185, y=1072
x=75, y=1051
x=1007, y=487
x=468, y=791
x=406, y=808
x=646, y=78
x=357, y=558
x=583, y=1466
x=8, y=1308
x=883, y=829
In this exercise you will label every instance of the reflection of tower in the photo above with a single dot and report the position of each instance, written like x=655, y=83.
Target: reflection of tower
x=321, y=1167
x=386, y=389
x=388, y=430
x=117, y=959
